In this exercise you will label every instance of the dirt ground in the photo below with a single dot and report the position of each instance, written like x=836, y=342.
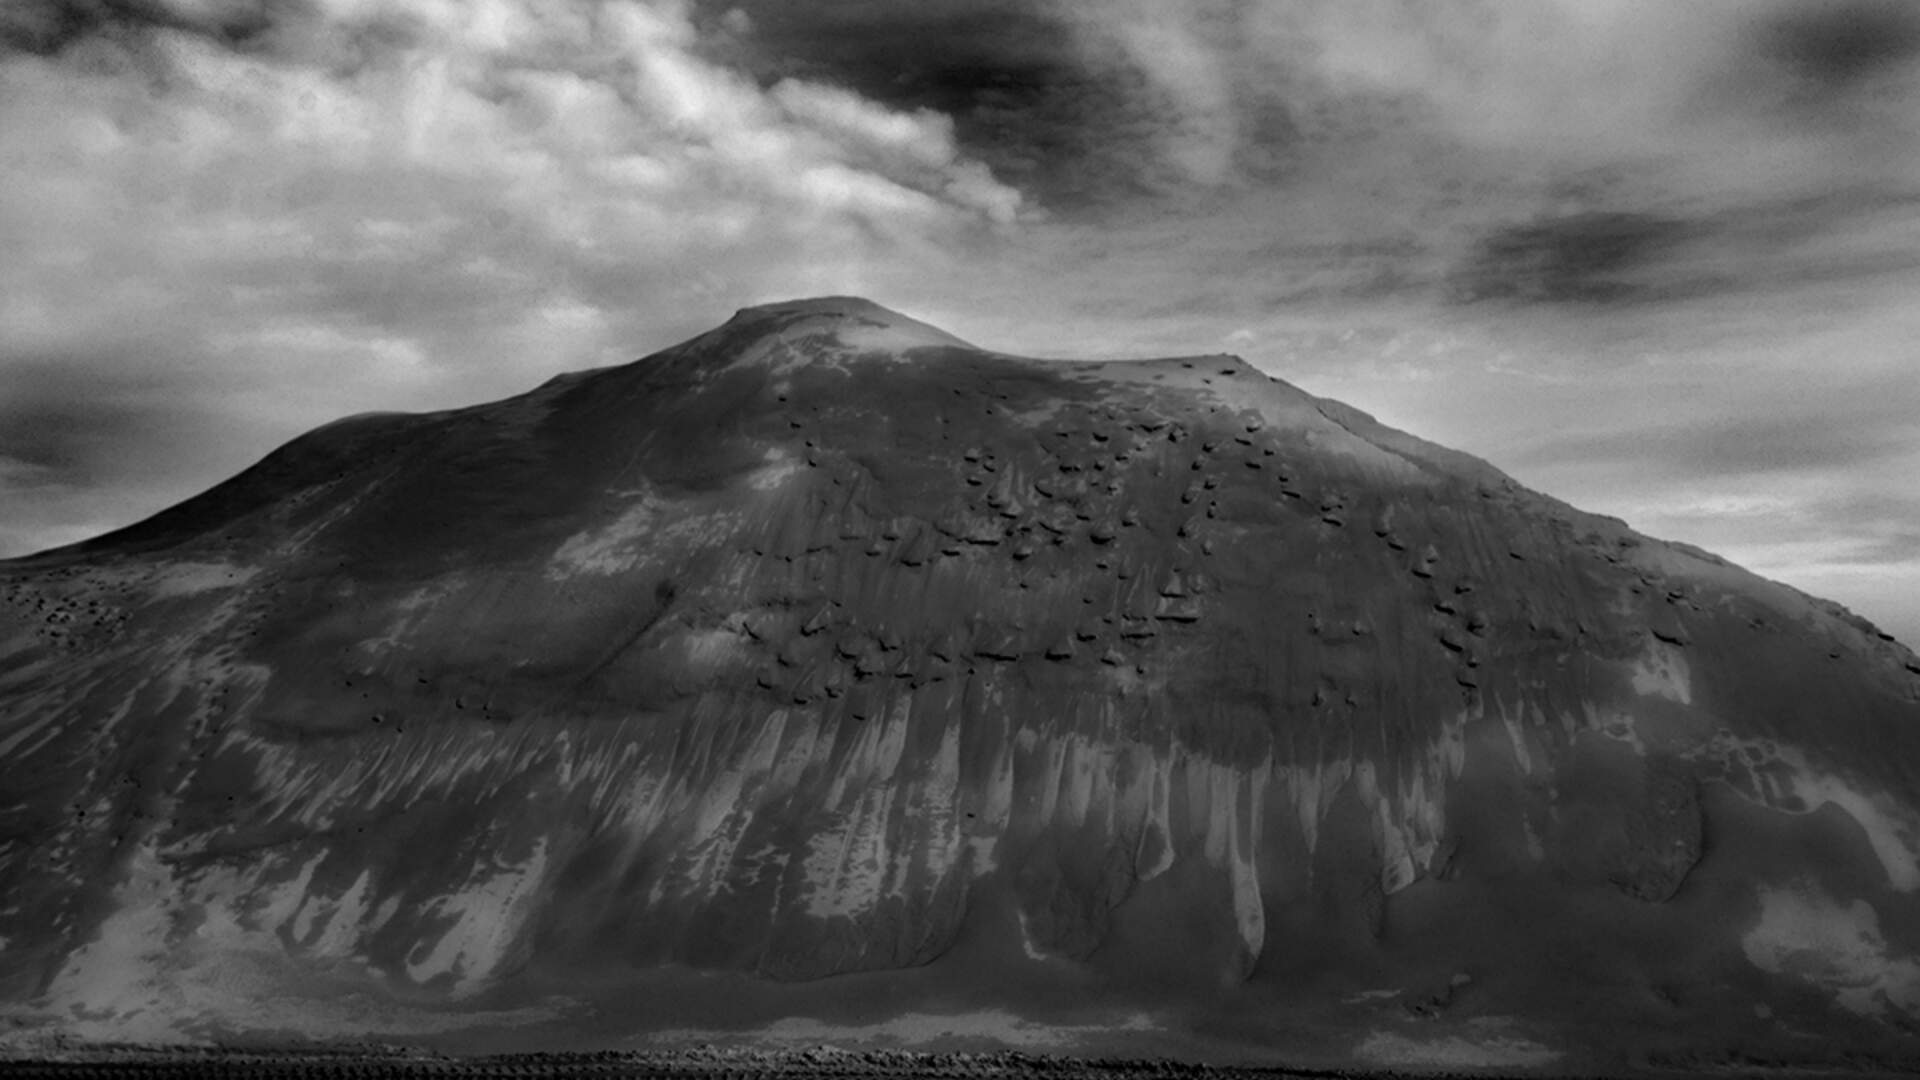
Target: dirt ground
x=814, y=1062
x=704, y=1062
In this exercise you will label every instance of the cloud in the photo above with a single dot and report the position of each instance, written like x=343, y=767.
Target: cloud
x=1189, y=91
x=1697, y=446
x=1838, y=46
x=1582, y=256
x=1028, y=94
x=1297, y=153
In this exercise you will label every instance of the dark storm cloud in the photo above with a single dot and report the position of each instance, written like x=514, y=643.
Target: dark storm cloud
x=938, y=54
x=88, y=443
x=1812, y=417
x=46, y=27
x=82, y=421
x=1837, y=45
x=1887, y=522
x=1015, y=78
x=1593, y=256
x=1619, y=257
x=1736, y=445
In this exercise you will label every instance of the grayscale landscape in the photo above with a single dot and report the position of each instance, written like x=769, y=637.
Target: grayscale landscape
x=1022, y=639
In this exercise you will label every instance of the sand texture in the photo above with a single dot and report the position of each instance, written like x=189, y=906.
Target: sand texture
x=825, y=671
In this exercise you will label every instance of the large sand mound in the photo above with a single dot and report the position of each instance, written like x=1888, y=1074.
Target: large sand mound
x=825, y=671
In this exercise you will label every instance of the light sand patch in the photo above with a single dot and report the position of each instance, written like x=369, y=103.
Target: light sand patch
x=1517, y=737
x=707, y=649
x=1892, y=827
x=1026, y=939
x=1663, y=672
x=488, y=915
x=44, y=723
x=1487, y=1048
x=411, y=611
x=340, y=920
x=845, y=865
x=1839, y=947
x=646, y=532
x=188, y=579
x=1408, y=817
x=894, y=336
x=141, y=979
x=779, y=468
x=114, y=986
x=919, y=1029
x=611, y=549
x=1620, y=727
x=857, y=328
x=249, y=992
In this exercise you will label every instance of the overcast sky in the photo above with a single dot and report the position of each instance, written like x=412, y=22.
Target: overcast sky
x=1657, y=258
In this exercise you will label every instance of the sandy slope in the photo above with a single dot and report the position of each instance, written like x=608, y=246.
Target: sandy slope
x=824, y=674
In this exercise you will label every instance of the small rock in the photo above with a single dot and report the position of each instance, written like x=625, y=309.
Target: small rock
x=1671, y=633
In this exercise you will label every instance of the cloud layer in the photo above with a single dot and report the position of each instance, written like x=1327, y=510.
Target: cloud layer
x=1652, y=257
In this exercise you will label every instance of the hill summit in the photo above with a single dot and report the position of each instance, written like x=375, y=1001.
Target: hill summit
x=827, y=674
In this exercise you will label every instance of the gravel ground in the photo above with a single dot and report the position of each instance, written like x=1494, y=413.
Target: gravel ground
x=697, y=1062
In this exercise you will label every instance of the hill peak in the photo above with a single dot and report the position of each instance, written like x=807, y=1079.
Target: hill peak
x=848, y=307
x=858, y=323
